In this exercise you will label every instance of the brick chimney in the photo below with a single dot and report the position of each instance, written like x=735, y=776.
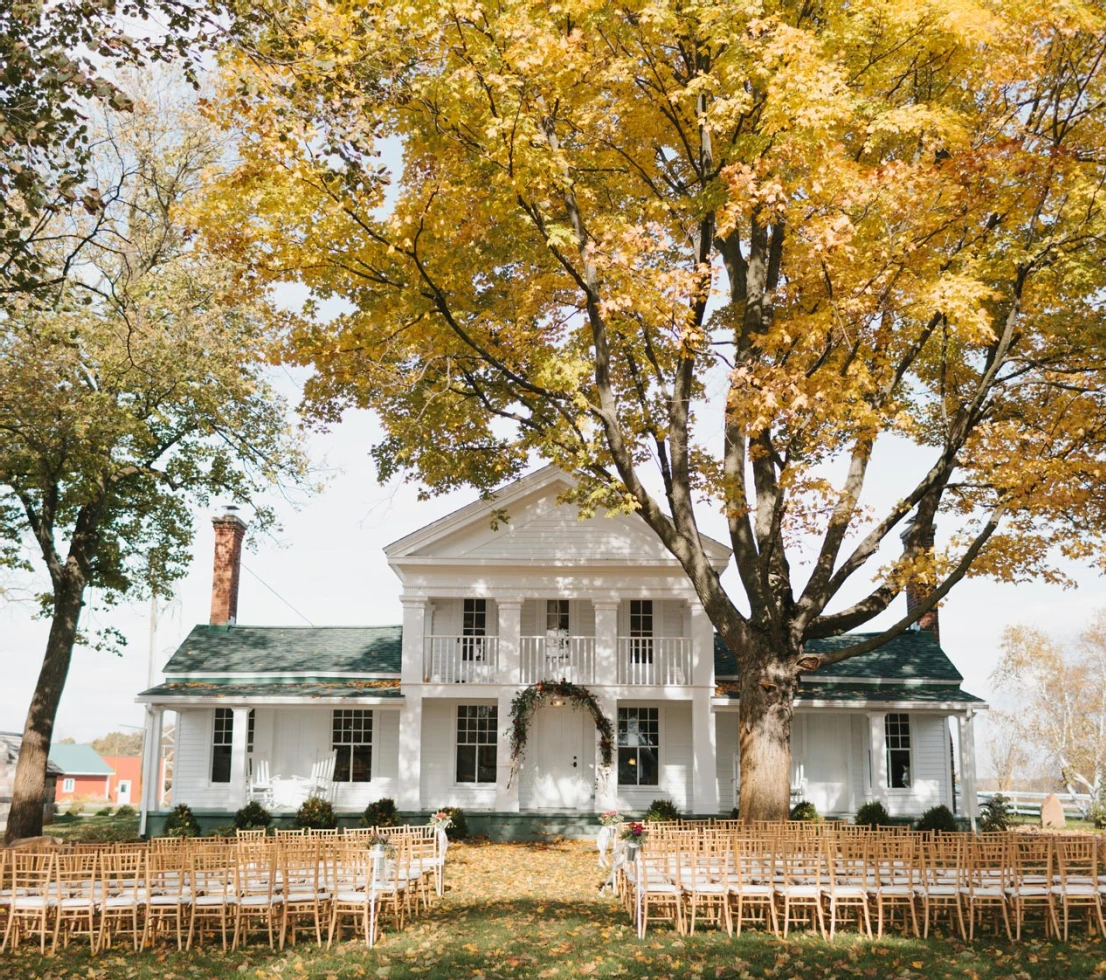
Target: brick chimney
x=229, y=531
x=917, y=592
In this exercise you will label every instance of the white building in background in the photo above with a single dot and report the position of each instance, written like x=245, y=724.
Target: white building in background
x=420, y=712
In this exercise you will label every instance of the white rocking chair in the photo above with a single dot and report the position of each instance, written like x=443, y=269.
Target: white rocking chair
x=322, y=778
x=261, y=784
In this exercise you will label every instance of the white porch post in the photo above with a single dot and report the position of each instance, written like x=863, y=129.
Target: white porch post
x=510, y=629
x=151, y=765
x=606, y=779
x=506, y=796
x=966, y=724
x=606, y=641
x=877, y=745
x=409, y=795
x=238, y=768
x=704, y=773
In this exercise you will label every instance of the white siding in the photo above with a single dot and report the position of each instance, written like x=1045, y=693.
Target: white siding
x=675, y=759
x=726, y=747
x=439, y=739
x=929, y=746
x=192, y=765
x=293, y=739
x=669, y=617
x=448, y=618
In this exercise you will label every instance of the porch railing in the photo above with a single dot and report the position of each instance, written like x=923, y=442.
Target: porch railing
x=660, y=660
x=555, y=658
x=461, y=659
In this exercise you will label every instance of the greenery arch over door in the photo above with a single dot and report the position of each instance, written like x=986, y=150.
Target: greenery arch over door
x=528, y=700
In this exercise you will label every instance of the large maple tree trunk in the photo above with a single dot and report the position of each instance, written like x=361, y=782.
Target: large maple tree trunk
x=767, y=698
x=29, y=790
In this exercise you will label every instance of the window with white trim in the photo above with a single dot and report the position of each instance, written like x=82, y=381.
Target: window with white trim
x=896, y=728
x=641, y=631
x=638, y=746
x=352, y=741
x=222, y=739
x=474, y=627
x=556, y=616
x=68, y=784
x=477, y=731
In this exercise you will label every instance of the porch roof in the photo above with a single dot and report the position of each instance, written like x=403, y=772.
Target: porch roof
x=262, y=689
x=283, y=649
x=913, y=654
x=922, y=694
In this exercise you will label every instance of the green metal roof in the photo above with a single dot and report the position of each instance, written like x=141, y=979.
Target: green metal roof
x=312, y=687
x=79, y=760
x=299, y=649
x=912, y=654
x=916, y=693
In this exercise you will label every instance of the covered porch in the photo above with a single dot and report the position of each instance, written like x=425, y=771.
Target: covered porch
x=277, y=743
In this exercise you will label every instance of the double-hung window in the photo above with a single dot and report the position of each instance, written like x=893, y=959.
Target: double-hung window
x=641, y=631
x=638, y=746
x=477, y=729
x=897, y=731
x=352, y=741
x=221, y=742
x=474, y=627
x=556, y=616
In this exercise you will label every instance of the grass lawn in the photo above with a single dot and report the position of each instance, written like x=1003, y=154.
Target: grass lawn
x=516, y=910
x=72, y=828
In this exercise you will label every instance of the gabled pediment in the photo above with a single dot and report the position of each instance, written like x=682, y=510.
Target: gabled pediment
x=538, y=528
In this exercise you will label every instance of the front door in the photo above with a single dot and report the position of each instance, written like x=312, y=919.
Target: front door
x=123, y=794
x=558, y=760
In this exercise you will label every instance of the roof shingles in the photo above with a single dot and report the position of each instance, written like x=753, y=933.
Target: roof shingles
x=295, y=649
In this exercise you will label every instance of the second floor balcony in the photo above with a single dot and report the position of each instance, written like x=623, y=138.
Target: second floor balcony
x=644, y=661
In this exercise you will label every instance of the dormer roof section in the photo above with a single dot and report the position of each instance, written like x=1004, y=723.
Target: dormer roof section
x=538, y=530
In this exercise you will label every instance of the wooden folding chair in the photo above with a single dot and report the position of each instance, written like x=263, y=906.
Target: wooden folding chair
x=847, y=859
x=988, y=876
x=1034, y=876
x=657, y=886
x=943, y=859
x=1077, y=858
x=32, y=899
x=803, y=884
x=752, y=886
x=212, y=872
x=258, y=899
x=896, y=879
x=305, y=893
x=123, y=893
x=169, y=893
x=76, y=895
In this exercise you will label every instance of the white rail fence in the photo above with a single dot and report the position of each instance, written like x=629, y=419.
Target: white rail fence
x=557, y=658
x=649, y=660
x=461, y=659
x=1029, y=804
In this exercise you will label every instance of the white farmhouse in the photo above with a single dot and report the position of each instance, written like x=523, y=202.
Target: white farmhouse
x=421, y=712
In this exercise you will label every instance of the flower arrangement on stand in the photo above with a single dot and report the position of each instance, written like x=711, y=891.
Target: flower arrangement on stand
x=632, y=835
x=441, y=821
x=527, y=701
x=382, y=843
x=612, y=818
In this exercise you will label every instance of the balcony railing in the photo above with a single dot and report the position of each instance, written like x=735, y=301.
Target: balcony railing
x=654, y=660
x=461, y=659
x=555, y=658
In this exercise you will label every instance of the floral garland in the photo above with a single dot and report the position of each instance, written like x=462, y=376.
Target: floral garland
x=525, y=703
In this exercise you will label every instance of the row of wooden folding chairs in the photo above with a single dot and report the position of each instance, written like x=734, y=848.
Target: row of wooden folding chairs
x=733, y=878
x=194, y=886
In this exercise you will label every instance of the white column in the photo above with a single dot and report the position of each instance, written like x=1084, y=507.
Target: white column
x=151, y=759
x=967, y=767
x=411, y=675
x=506, y=788
x=702, y=647
x=704, y=771
x=238, y=768
x=409, y=794
x=606, y=779
x=877, y=744
x=412, y=668
x=606, y=641
x=510, y=629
